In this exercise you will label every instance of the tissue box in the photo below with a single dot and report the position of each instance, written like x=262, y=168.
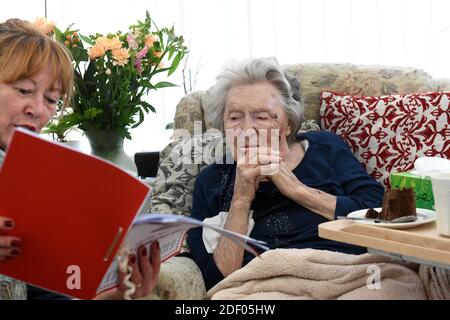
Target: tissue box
x=422, y=187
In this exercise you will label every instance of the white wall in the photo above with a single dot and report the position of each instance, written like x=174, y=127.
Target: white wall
x=392, y=32
x=24, y=9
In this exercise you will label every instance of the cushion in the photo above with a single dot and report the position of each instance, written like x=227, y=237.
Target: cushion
x=180, y=279
x=388, y=133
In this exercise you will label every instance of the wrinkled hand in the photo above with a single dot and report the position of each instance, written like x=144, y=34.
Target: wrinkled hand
x=9, y=245
x=145, y=272
x=253, y=166
x=283, y=177
x=285, y=180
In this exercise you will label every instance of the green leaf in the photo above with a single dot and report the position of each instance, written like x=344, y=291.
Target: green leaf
x=80, y=54
x=147, y=106
x=58, y=34
x=87, y=40
x=148, y=19
x=164, y=84
x=141, y=119
x=147, y=84
x=160, y=70
x=171, y=52
x=69, y=27
x=175, y=62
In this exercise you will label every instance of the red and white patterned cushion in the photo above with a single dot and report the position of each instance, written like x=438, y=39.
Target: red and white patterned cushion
x=388, y=133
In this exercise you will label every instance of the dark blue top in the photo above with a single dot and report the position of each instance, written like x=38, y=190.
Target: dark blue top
x=327, y=165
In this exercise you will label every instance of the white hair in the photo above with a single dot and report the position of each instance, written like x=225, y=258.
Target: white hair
x=249, y=72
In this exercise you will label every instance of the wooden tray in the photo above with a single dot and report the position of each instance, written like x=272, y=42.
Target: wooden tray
x=422, y=242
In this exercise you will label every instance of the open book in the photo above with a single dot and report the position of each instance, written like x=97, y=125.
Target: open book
x=170, y=231
x=73, y=212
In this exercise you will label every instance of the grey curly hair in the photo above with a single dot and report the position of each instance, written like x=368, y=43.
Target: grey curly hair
x=252, y=71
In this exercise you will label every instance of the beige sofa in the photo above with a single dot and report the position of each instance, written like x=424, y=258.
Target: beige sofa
x=180, y=278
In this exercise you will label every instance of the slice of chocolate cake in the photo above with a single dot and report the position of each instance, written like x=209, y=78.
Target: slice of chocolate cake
x=396, y=203
x=372, y=214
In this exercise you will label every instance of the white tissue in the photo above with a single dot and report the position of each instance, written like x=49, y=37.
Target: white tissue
x=430, y=166
x=211, y=237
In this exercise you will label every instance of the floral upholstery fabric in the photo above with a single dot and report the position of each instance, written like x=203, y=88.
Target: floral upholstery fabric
x=189, y=110
x=176, y=176
x=388, y=133
x=11, y=289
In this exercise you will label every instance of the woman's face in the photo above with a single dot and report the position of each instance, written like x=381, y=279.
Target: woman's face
x=27, y=103
x=255, y=112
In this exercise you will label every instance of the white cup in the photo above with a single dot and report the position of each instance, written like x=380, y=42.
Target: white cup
x=441, y=191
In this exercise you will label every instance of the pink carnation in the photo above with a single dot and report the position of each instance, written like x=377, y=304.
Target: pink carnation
x=141, y=54
x=138, y=65
x=132, y=41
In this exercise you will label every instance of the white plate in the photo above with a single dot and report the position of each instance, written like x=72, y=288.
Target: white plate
x=423, y=216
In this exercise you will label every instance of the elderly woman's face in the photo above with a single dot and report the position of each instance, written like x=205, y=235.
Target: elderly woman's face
x=27, y=103
x=256, y=109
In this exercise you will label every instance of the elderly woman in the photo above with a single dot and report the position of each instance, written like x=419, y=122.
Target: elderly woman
x=35, y=73
x=281, y=185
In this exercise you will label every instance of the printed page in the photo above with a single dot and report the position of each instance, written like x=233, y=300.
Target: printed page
x=170, y=231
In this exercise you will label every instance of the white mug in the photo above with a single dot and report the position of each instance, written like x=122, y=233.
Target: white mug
x=441, y=191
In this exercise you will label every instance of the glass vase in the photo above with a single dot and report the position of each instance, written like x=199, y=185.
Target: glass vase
x=108, y=144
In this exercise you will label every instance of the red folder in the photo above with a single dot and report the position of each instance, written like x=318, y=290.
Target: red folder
x=72, y=211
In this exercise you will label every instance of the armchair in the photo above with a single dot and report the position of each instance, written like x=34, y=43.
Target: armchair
x=180, y=277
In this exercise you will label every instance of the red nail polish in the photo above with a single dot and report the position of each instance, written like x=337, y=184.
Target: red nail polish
x=157, y=245
x=144, y=251
x=133, y=259
x=16, y=252
x=8, y=224
x=16, y=243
